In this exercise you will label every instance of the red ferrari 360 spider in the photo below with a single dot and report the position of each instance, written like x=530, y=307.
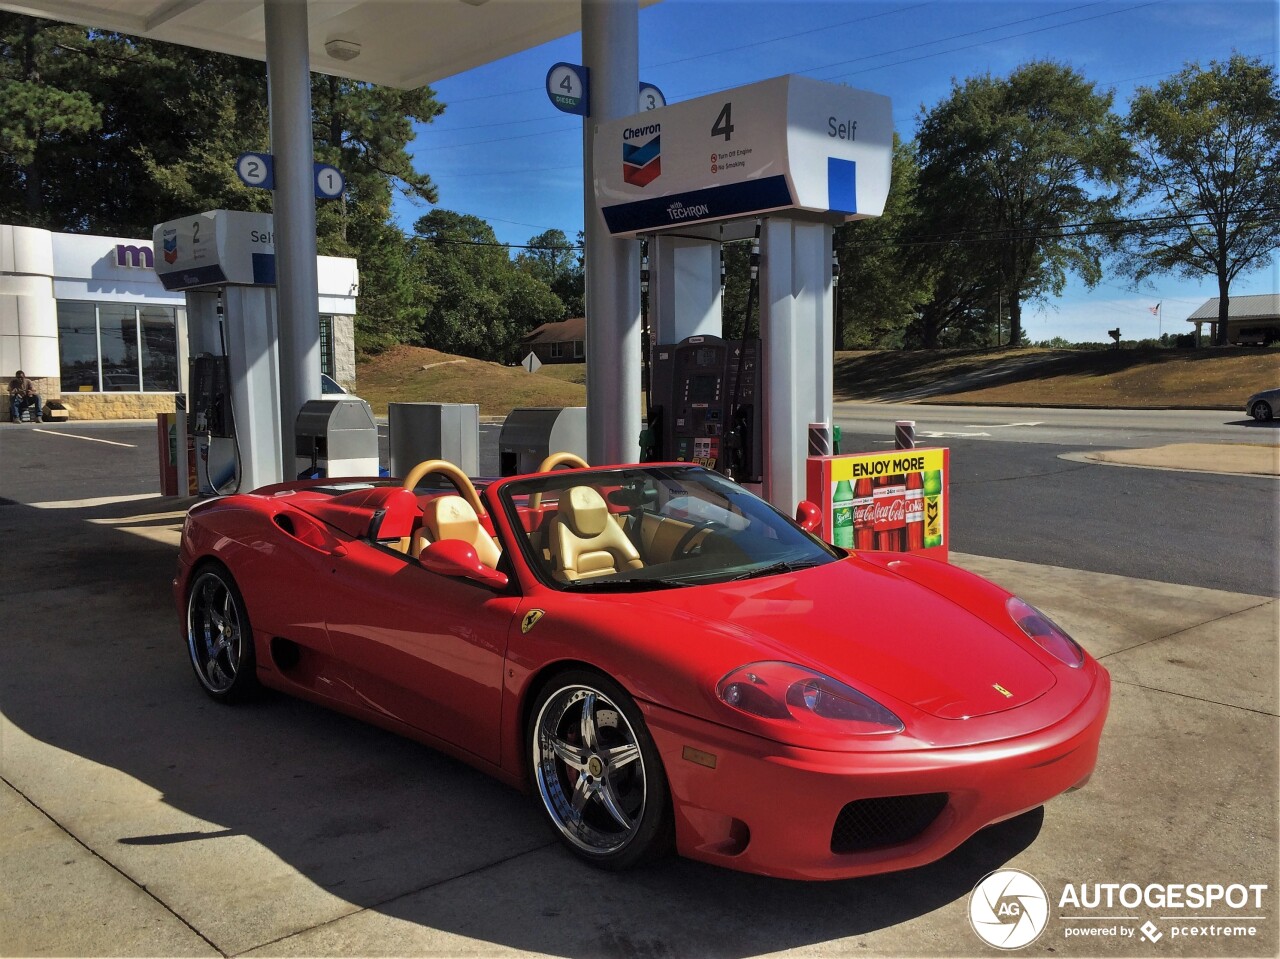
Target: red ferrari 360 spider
x=660, y=657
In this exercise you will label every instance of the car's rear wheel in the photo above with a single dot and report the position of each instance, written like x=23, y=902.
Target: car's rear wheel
x=219, y=637
x=597, y=773
x=1261, y=411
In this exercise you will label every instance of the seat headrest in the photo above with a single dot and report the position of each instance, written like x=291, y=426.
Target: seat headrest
x=584, y=510
x=451, y=517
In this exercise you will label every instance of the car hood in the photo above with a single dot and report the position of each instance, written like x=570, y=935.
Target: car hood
x=860, y=622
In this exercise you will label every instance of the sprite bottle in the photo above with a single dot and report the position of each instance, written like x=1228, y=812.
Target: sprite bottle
x=842, y=514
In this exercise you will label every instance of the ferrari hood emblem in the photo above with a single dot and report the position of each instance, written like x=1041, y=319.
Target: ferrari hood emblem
x=531, y=619
x=1002, y=691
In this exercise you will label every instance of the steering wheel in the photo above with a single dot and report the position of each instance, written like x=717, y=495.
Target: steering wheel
x=458, y=478
x=685, y=547
x=562, y=458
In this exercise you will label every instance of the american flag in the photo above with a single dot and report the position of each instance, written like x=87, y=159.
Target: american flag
x=1155, y=310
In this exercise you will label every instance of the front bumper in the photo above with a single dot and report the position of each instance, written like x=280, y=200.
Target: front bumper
x=769, y=808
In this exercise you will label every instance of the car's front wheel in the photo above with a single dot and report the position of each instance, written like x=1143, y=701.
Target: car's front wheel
x=597, y=773
x=1261, y=411
x=219, y=637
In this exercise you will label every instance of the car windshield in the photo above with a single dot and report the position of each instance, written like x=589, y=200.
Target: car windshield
x=643, y=528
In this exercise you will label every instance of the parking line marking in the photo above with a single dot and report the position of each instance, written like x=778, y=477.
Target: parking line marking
x=91, y=439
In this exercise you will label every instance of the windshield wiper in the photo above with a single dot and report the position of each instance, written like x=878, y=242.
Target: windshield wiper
x=786, y=566
x=638, y=585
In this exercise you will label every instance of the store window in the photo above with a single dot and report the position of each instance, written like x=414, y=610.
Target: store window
x=326, y=344
x=117, y=348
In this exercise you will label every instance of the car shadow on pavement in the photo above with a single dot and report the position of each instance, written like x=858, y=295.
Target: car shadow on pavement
x=164, y=784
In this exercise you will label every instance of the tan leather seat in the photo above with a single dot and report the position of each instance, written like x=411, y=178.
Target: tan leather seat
x=451, y=517
x=585, y=541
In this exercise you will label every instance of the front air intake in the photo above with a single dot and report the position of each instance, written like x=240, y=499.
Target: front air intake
x=867, y=824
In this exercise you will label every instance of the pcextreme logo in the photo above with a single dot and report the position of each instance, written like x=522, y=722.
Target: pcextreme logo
x=1008, y=909
x=642, y=159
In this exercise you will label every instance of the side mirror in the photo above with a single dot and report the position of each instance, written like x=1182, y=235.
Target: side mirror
x=808, y=516
x=456, y=559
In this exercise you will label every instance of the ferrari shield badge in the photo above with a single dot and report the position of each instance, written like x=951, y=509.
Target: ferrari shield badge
x=996, y=686
x=531, y=619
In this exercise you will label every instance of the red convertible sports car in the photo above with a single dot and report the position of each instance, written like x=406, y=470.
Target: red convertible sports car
x=661, y=658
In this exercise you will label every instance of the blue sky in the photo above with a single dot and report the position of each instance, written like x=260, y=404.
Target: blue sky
x=502, y=152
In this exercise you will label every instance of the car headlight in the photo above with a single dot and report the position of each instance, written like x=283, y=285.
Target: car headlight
x=1048, y=634
x=791, y=693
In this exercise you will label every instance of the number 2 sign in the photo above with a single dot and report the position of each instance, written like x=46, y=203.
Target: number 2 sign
x=258, y=170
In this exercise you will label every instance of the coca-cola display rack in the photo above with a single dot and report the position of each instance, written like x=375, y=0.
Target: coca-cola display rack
x=894, y=501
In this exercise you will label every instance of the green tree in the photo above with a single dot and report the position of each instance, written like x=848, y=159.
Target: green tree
x=552, y=260
x=1014, y=166
x=474, y=300
x=82, y=150
x=364, y=131
x=119, y=161
x=1208, y=174
x=39, y=104
x=883, y=284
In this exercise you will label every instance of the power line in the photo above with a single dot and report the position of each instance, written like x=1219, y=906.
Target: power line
x=716, y=53
x=971, y=33
x=1067, y=231
x=983, y=43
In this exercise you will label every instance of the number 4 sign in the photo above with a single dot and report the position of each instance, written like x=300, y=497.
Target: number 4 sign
x=567, y=88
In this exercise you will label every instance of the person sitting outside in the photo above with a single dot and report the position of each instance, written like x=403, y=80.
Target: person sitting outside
x=22, y=395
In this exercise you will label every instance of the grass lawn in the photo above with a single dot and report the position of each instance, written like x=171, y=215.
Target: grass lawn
x=1146, y=378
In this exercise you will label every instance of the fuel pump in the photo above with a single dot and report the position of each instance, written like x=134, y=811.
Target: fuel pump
x=706, y=390
x=224, y=261
x=792, y=157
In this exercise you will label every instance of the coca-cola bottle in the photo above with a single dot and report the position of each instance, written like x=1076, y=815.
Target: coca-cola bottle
x=864, y=522
x=915, y=512
x=842, y=514
x=890, y=512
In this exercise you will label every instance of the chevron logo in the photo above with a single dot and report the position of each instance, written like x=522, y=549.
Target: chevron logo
x=642, y=163
x=170, y=246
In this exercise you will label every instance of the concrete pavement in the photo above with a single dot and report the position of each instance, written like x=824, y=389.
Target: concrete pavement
x=1235, y=458
x=142, y=819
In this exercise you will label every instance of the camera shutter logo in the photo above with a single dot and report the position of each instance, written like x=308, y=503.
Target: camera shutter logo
x=1008, y=909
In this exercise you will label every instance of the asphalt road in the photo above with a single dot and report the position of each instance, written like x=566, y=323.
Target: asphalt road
x=1013, y=497
x=1114, y=429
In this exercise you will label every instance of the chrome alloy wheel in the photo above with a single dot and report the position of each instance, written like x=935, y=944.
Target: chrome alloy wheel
x=1261, y=411
x=589, y=770
x=216, y=634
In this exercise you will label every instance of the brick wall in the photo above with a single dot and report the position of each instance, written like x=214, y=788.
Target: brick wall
x=117, y=406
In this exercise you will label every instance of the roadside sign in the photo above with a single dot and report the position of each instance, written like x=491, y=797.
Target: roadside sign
x=567, y=85
x=256, y=170
x=651, y=98
x=531, y=363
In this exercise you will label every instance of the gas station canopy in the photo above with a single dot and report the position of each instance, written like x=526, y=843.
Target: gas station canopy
x=389, y=42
